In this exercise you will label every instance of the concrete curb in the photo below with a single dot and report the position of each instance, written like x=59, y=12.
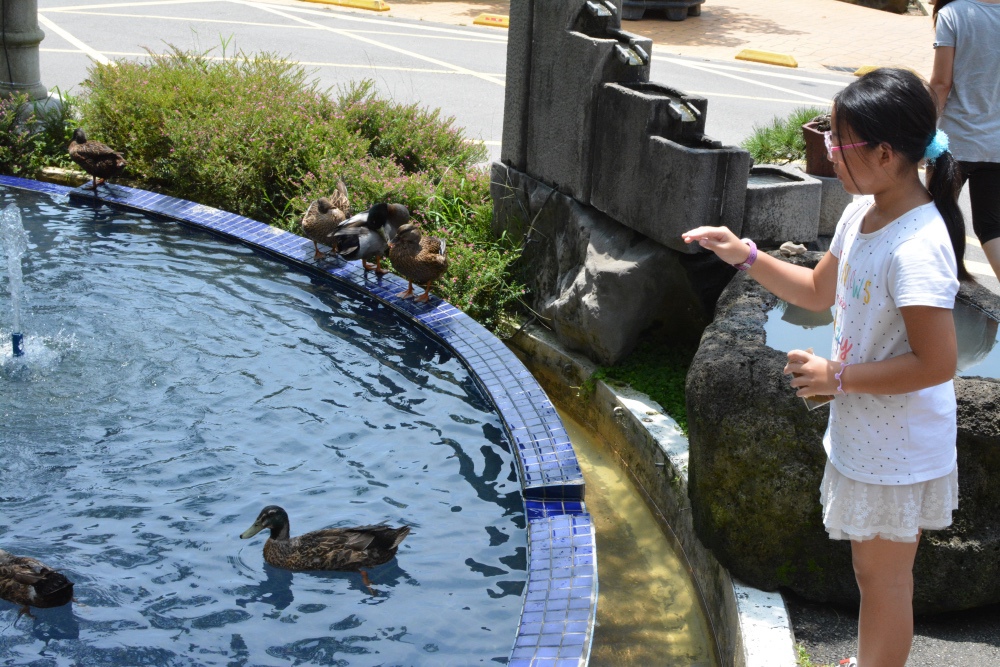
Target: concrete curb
x=767, y=57
x=495, y=20
x=372, y=5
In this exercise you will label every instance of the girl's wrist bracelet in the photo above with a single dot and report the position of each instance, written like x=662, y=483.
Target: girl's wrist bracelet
x=840, y=378
x=751, y=258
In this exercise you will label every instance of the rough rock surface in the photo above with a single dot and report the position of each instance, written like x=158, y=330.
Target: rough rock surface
x=598, y=284
x=757, y=461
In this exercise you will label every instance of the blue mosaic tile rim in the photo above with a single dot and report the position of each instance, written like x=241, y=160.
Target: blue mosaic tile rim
x=560, y=604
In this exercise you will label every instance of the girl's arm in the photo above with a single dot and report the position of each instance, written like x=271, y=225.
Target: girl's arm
x=812, y=289
x=942, y=75
x=932, y=360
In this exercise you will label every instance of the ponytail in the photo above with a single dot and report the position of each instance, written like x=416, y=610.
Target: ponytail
x=944, y=182
x=895, y=106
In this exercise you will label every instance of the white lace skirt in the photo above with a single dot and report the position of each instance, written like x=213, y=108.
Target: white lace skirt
x=859, y=511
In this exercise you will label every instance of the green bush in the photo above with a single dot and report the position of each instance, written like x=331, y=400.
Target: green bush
x=250, y=134
x=17, y=143
x=780, y=141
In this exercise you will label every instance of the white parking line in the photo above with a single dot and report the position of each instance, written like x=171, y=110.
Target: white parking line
x=979, y=268
x=260, y=24
x=96, y=55
x=755, y=72
x=366, y=40
x=716, y=71
x=309, y=63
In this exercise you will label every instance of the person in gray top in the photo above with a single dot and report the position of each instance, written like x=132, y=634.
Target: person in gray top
x=966, y=81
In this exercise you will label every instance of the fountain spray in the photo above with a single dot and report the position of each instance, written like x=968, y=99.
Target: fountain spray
x=15, y=243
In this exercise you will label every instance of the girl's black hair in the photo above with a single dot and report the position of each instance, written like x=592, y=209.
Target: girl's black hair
x=938, y=5
x=895, y=107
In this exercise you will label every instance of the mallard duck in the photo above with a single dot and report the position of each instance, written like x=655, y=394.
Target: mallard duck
x=327, y=549
x=30, y=583
x=418, y=258
x=366, y=236
x=97, y=159
x=322, y=218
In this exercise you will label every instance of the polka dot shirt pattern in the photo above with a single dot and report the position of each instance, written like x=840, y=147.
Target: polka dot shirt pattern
x=901, y=438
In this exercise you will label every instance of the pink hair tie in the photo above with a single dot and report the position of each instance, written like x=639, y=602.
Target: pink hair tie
x=840, y=378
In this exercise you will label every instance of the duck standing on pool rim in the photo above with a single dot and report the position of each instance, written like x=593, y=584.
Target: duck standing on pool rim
x=31, y=583
x=323, y=217
x=326, y=549
x=418, y=258
x=367, y=235
x=97, y=159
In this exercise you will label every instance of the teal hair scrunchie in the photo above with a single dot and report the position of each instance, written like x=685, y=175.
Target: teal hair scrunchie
x=938, y=145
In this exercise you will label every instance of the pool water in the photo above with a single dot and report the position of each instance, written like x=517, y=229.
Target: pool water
x=173, y=385
x=789, y=327
x=649, y=612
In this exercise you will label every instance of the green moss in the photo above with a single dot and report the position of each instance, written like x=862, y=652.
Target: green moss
x=658, y=370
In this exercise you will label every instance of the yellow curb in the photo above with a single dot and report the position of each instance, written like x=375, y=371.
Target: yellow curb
x=767, y=57
x=861, y=71
x=496, y=20
x=374, y=5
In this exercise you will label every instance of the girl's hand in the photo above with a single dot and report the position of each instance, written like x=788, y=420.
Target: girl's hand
x=721, y=241
x=811, y=375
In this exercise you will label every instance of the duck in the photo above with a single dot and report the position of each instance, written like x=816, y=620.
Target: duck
x=367, y=235
x=97, y=159
x=31, y=583
x=345, y=549
x=418, y=258
x=324, y=216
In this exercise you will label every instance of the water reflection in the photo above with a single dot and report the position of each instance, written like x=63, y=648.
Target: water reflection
x=798, y=328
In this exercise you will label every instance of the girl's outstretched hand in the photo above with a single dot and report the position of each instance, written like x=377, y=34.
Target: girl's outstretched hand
x=721, y=241
x=811, y=375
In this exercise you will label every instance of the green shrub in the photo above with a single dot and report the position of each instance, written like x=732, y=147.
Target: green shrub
x=781, y=140
x=17, y=143
x=53, y=130
x=250, y=134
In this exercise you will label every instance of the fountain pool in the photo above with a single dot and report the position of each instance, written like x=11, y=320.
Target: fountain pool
x=141, y=434
x=790, y=327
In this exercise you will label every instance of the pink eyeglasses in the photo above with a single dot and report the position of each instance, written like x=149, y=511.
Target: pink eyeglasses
x=830, y=147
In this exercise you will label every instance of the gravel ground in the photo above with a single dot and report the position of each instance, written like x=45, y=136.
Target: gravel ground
x=958, y=639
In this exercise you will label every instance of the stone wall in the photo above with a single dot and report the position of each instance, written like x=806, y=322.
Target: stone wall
x=757, y=460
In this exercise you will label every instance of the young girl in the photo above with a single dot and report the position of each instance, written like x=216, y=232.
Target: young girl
x=891, y=275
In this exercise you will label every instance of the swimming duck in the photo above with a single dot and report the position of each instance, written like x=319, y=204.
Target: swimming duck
x=97, y=159
x=366, y=236
x=418, y=258
x=30, y=583
x=327, y=549
x=322, y=218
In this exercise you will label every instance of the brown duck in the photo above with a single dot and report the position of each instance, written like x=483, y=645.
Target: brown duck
x=97, y=159
x=349, y=549
x=418, y=258
x=366, y=236
x=31, y=583
x=324, y=216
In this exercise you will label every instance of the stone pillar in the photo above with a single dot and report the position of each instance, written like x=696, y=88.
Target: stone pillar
x=19, y=66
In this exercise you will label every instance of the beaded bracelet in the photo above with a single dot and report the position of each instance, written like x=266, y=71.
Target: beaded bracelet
x=751, y=258
x=840, y=378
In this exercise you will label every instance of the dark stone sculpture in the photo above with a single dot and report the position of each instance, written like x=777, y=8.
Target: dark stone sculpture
x=757, y=461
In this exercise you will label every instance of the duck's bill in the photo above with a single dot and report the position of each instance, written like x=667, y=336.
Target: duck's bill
x=251, y=531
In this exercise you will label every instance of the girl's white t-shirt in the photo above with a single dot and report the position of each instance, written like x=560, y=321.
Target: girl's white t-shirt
x=898, y=438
